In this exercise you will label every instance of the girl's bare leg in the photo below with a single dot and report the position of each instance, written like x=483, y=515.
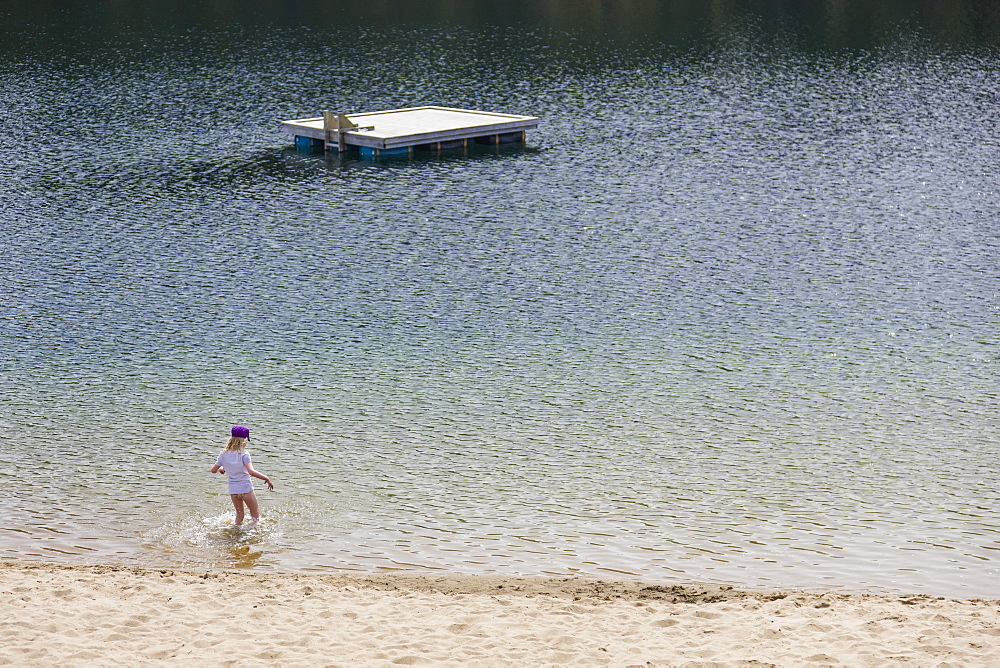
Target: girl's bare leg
x=238, y=503
x=251, y=501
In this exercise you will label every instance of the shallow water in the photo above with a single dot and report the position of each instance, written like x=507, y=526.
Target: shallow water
x=730, y=315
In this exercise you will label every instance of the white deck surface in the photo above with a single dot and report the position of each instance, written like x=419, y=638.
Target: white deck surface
x=405, y=127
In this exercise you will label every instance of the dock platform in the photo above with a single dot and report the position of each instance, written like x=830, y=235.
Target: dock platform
x=401, y=131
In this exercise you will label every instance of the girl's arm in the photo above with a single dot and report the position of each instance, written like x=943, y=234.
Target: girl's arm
x=256, y=474
x=218, y=469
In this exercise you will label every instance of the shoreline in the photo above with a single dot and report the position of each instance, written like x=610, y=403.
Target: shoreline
x=112, y=615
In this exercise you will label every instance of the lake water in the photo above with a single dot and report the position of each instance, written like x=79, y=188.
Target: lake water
x=730, y=315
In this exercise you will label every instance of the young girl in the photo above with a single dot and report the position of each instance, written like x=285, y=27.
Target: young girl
x=234, y=461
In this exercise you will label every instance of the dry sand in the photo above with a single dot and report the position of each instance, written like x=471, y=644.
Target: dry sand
x=104, y=615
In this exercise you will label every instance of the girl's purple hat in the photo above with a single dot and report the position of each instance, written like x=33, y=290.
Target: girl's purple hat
x=241, y=432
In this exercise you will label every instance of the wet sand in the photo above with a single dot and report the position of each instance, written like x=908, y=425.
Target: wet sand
x=107, y=615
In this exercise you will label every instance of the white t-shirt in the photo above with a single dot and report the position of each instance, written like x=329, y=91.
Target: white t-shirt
x=235, y=461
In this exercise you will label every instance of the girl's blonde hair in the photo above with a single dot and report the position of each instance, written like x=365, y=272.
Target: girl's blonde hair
x=235, y=443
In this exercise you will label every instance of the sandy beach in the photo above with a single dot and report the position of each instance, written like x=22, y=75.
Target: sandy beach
x=106, y=615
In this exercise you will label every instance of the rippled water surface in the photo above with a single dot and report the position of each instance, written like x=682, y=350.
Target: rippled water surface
x=730, y=314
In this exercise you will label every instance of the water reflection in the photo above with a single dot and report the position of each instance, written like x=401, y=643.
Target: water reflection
x=348, y=163
x=212, y=541
x=831, y=24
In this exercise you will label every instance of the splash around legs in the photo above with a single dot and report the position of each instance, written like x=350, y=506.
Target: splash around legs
x=250, y=500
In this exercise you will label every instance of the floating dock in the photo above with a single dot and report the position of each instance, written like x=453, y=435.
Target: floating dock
x=401, y=131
